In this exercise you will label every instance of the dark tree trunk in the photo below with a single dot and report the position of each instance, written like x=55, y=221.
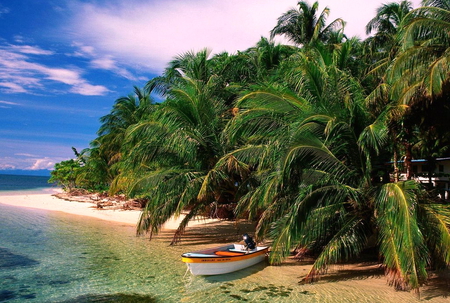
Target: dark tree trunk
x=408, y=161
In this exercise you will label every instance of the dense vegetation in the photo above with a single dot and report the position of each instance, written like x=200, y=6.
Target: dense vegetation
x=297, y=138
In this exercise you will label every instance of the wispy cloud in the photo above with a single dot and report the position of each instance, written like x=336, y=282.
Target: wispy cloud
x=87, y=89
x=26, y=155
x=45, y=136
x=105, y=62
x=148, y=34
x=12, y=87
x=3, y=10
x=20, y=73
x=32, y=50
x=8, y=104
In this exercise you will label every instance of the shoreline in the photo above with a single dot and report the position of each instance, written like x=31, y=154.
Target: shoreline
x=204, y=233
x=49, y=200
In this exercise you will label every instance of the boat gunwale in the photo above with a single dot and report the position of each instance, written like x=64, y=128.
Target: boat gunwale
x=219, y=259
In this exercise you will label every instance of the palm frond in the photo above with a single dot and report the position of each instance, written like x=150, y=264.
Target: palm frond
x=402, y=244
x=348, y=242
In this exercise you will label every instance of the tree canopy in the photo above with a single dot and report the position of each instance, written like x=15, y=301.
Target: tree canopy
x=295, y=138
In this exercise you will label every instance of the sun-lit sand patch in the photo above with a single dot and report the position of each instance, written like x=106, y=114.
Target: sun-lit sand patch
x=49, y=201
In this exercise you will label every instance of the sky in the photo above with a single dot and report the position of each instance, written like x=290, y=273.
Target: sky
x=63, y=63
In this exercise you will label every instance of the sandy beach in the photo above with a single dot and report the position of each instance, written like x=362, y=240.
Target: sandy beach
x=49, y=201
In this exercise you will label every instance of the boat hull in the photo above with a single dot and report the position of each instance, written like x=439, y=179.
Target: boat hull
x=230, y=259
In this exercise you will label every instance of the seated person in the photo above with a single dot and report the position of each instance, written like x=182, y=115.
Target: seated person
x=249, y=243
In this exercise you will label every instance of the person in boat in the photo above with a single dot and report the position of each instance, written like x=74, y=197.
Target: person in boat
x=249, y=243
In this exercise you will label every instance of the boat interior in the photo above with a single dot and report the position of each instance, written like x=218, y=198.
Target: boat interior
x=231, y=250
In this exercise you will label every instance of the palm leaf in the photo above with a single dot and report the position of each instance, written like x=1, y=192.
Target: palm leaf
x=402, y=244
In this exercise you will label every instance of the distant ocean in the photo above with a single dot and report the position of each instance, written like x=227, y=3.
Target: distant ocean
x=24, y=183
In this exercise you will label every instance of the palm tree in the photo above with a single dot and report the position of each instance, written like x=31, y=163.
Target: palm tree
x=190, y=64
x=174, y=153
x=419, y=76
x=302, y=26
x=314, y=183
x=383, y=46
x=387, y=22
x=126, y=111
x=266, y=56
x=422, y=67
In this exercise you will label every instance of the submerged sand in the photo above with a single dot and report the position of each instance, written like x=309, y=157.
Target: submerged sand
x=357, y=276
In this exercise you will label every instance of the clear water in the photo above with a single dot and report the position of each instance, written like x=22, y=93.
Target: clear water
x=55, y=257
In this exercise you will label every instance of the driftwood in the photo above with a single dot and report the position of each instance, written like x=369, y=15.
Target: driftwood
x=102, y=200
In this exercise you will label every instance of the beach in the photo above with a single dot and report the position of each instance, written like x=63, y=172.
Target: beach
x=353, y=282
x=49, y=201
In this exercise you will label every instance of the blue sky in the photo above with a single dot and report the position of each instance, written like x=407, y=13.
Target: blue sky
x=63, y=63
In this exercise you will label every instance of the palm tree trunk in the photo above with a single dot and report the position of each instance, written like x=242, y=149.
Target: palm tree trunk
x=408, y=162
x=395, y=165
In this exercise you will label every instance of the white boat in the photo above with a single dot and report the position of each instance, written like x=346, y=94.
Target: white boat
x=224, y=259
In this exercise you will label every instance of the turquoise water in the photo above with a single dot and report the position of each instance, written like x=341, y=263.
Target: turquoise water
x=55, y=257
x=50, y=256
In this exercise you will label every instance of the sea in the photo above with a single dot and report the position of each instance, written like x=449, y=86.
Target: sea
x=48, y=256
x=17, y=184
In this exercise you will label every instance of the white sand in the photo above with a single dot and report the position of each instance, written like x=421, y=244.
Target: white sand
x=49, y=202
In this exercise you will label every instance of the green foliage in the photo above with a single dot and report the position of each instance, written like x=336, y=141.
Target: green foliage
x=65, y=174
x=294, y=138
x=303, y=27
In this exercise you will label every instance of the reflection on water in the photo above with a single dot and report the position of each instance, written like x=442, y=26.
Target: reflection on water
x=55, y=257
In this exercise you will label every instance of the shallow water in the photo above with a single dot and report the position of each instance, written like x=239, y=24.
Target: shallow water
x=55, y=257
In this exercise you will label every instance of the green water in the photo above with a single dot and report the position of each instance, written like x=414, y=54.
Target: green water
x=55, y=257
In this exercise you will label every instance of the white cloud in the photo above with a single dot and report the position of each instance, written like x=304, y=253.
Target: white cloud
x=67, y=76
x=25, y=154
x=148, y=34
x=104, y=63
x=32, y=50
x=13, y=87
x=28, y=163
x=4, y=166
x=18, y=74
x=45, y=163
x=89, y=89
x=101, y=61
